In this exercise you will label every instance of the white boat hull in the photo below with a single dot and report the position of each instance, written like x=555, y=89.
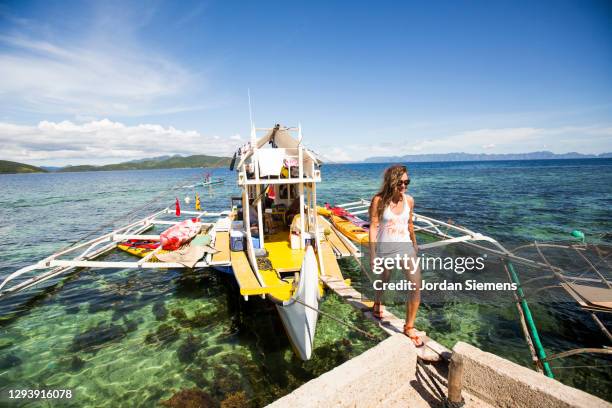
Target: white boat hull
x=299, y=320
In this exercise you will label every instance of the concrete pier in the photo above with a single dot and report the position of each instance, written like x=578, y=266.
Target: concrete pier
x=393, y=374
x=387, y=376
x=507, y=384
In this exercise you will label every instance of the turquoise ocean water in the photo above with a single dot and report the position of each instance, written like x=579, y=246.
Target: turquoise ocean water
x=121, y=338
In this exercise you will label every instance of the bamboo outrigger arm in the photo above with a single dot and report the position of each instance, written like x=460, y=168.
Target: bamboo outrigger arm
x=91, y=249
x=449, y=233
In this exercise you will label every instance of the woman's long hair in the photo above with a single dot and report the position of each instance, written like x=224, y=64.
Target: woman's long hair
x=392, y=177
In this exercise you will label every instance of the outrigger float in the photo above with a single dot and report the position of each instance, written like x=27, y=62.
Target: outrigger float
x=279, y=245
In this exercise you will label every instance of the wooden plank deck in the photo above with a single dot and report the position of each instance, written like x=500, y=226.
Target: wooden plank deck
x=245, y=276
x=431, y=351
x=336, y=242
x=221, y=245
x=330, y=263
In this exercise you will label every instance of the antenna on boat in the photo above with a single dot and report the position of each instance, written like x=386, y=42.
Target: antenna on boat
x=253, y=135
x=299, y=133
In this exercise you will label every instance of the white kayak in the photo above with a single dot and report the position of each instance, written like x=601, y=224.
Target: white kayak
x=300, y=321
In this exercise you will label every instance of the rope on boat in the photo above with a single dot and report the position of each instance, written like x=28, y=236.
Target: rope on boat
x=342, y=322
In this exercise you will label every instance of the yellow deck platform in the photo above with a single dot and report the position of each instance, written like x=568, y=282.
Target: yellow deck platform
x=330, y=263
x=248, y=283
x=245, y=276
x=283, y=258
x=222, y=245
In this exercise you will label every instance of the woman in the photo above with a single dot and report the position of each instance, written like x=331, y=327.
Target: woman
x=392, y=233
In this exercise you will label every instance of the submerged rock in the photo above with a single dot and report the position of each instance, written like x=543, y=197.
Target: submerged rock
x=179, y=314
x=159, y=311
x=167, y=334
x=96, y=337
x=130, y=325
x=213, y=351
x=189, y=398
x=329, y=355
x=5, y=343
x=198, y=376
x=201, y=319
x=76, y=363
x=226, y=381
x=187, y=351
x=236, y=400
x=164, y=334
x=8, y=361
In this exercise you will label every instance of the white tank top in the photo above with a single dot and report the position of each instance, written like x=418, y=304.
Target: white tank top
x=394, y=228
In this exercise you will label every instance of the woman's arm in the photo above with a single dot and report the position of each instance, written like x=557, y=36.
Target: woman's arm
x=411, y=224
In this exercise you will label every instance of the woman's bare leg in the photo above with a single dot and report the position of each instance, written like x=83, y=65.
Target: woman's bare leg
x=414, y=298
x=386, y=275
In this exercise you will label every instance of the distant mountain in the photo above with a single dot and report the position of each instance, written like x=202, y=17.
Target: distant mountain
x=50, y=168
x=167, y=162
x=448, y=157
x=14, y=167
x=158, y=158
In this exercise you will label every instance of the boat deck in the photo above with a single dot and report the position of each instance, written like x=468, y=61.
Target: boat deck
x=245, y=276
x=221, y=245
x=330, y=263
x=341, y=249
x=282, y=257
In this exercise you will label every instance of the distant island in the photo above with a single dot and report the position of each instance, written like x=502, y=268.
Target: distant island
x=457, y=157
x=14, y=167
x=162, y=162
x=200, y=160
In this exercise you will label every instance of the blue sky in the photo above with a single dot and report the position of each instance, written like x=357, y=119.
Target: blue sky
x=101, y=82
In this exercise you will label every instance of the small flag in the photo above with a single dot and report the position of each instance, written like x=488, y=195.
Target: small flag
x=177, y=205
x=197, y=202
x=271, y=193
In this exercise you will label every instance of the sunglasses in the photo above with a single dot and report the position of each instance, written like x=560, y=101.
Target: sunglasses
x=404, y=183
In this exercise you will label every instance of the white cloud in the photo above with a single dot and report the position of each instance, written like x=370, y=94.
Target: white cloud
x=582, y=139
x=91, y=79
x=103, y=141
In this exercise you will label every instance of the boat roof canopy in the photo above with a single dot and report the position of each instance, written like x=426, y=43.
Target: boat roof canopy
x=281, y=136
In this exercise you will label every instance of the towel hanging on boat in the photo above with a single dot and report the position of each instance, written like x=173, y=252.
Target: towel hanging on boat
x=270, y=162
x=190, y=253
x=271, y=192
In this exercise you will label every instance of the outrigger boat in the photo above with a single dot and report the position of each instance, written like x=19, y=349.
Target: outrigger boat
x=254, y=241
x=283, y=256
x=207, y=181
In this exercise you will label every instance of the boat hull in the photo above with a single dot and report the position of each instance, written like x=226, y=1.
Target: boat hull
x=300, y=321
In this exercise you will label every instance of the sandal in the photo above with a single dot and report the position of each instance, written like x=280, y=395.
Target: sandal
x=415, y=339
x=377, y=310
